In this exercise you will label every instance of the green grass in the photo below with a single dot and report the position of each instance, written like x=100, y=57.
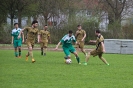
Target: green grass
x=51, y=72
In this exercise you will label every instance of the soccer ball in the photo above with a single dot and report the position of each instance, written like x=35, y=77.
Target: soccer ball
x=68, y=61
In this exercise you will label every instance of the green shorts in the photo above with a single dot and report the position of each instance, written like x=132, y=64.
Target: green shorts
x=17, y=43
x=68, y=50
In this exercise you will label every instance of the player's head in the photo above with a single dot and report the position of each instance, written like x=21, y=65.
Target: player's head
x=46, y=27
x=16, y=25
x=35, y=23
x=79, y=27
x=97, y=32
x=70, y=32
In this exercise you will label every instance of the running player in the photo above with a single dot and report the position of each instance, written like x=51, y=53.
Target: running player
x=100, y=49
x=15, y=41
x=44, y=36
x=67, y=45
x=80, y=37
x=31, y=35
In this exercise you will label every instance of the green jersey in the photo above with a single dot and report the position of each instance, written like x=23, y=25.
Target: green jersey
x=67, y=41
x=15, y=33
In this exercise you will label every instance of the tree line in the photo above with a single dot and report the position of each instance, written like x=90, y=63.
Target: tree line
x=67, y=14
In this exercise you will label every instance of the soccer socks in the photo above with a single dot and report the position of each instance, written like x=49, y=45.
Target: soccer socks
x=16, y=54
x=19, y=52
x=41, y=51
x=78, y=59
x=45, y=49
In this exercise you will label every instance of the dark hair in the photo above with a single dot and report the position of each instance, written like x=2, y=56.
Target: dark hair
x=78, y=25
x=33, y=22
x=46, y=25
x=15, y=24
x=70, y=31
x=97, y=31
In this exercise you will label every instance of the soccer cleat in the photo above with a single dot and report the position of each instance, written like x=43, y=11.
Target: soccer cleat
x=44, y=54
x=26, y=58
x=79, y=63
x=65, y=57
x=85, y=63
x=19, y=56
x=108, y=64
x=33, y=61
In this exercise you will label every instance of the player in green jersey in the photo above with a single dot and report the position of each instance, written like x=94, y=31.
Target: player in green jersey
x=15, y=41
x=67, y=45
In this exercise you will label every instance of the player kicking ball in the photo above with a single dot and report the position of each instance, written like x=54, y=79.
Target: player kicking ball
x=100, y=49
x=44, y=37
x=67, y=46
x=17, y=42
x=31, y=35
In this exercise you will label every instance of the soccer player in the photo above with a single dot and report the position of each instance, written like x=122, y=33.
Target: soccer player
x=15, y=41
x=44, y=36
x=100, y=49
x=31, y=35
x=80, y=37
x=67, y=45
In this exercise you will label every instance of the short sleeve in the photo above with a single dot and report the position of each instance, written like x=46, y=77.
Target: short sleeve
x=101, y=39
x=48, y=34
x=27, y=28
x=61, y=40
x=12, y=33
x=84, y=32
x=39, y=32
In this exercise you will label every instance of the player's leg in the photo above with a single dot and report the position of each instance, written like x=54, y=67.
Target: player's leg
x=82, y=47
x=19, y=52
x=104, y=60
x=30, y=48
x=28, y=54
x=45, y=47
x=15, y=48
x=77, y=57
x=19, y=48
x=87, y=58
x=93, y=52
x=41, y=50
x=72, y=50
x=16, y=53
x=77, y=47
x=67, y=53
x=31, y=53
x=41, y=45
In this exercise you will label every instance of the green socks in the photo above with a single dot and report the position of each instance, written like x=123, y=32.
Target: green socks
x=20, y=53
x=78, y=59
x=16, y=54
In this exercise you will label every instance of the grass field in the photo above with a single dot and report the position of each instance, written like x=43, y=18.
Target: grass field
x=51, y=72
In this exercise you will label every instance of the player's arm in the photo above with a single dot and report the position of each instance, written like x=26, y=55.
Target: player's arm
x=38, y=37
x=76, y=34
x=19, y=36
x=12, y=40
x=22, y=37
x=102, y=44
x=84, y=36
x=57, y=45
x=49, y=39
x=74, y=40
